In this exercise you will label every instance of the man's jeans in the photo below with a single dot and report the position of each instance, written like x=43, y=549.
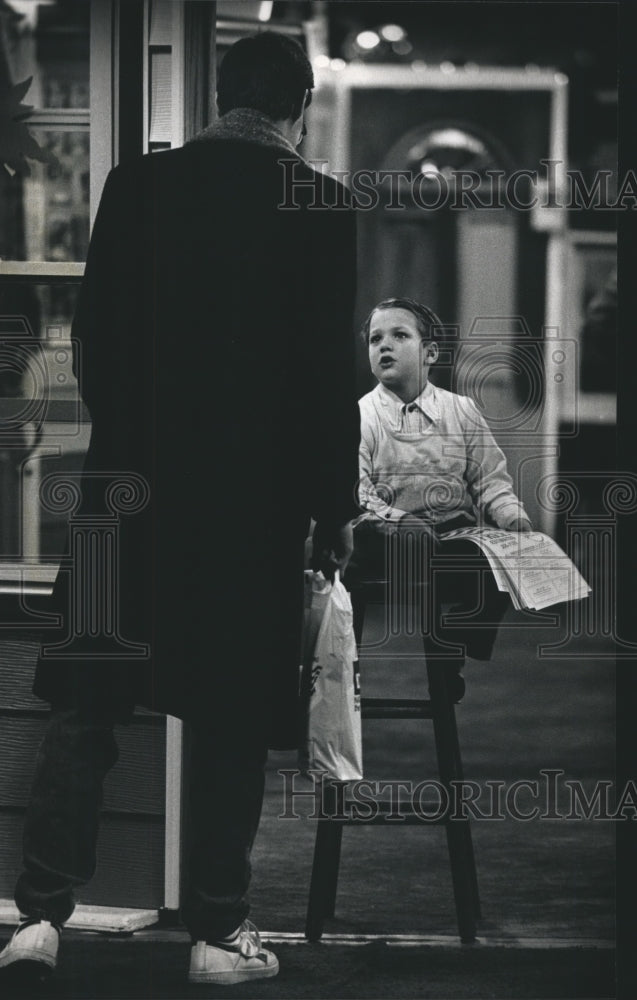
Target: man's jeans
x=61, y=824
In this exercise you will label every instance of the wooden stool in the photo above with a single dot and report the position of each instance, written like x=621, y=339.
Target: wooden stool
x=439, y=708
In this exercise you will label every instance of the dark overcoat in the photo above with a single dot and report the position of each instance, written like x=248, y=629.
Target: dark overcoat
x=215, y=353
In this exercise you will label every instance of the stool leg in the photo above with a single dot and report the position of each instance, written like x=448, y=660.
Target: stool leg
x=462, y=879
x=459, y=842
x=471, y=862
x=329, y=833
x=325, y=866
x=465, y=826
x=332, y=877
x=358, y=613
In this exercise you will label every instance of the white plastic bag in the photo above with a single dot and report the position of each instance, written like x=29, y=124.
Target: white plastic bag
x=330, y=688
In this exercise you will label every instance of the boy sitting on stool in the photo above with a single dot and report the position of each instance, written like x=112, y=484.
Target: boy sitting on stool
x=428, y=464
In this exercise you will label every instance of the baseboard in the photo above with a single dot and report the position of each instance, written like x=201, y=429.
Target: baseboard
x=109, y=919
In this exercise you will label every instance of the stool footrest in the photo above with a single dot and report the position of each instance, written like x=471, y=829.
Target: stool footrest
x=395, y=708
x=367, y=813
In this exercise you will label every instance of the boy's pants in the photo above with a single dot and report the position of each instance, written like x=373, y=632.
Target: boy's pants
x=453, y=574
x=61, y=824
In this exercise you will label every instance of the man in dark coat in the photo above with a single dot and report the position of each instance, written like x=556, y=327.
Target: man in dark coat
x=216, y=358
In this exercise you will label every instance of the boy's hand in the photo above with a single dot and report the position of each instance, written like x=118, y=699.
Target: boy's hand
x=332, y=548
x=520, y=524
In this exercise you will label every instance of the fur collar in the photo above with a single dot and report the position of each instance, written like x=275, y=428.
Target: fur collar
x=248, y=125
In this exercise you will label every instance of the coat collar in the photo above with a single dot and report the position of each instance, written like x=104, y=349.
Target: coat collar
x=248, y=125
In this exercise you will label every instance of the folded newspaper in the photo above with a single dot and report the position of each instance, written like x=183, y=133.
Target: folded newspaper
x=529, y=565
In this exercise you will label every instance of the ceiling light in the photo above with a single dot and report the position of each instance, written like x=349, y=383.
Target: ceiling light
x=392, y=32
x=367, y=40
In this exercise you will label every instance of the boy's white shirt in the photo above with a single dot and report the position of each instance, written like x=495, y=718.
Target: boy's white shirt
x=437, y=461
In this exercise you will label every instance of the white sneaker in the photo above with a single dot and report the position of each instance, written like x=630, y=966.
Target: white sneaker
x=34, y=945
x=232, y=961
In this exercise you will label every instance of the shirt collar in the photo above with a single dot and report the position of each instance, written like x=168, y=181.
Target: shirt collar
x=427, y=401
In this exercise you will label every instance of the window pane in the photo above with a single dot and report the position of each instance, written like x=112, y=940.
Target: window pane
x=50, y=42
x=35, y=340
x=41, y=421
x=45, y=216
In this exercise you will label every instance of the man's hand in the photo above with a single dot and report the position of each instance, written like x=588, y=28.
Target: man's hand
x=520, y=524
x=332, y=548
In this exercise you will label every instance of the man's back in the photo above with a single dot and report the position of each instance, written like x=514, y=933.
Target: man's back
x=232, y=315
x=217, y=361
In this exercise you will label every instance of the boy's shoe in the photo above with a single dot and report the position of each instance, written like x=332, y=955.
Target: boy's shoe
x=457, y=688
x=32, y=951
x=232, y=960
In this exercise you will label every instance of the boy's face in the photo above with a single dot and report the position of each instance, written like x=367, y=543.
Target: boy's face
x=397, y=355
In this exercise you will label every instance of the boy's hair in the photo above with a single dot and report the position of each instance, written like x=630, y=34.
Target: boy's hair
x=426, y=319
x=268, y=72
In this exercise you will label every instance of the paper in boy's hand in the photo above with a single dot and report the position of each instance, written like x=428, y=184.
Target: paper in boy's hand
x=530, y=566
